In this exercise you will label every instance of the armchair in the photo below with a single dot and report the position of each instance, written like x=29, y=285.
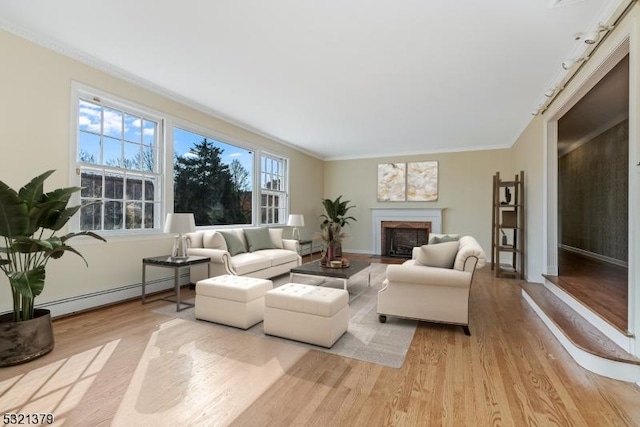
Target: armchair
x=416, y=290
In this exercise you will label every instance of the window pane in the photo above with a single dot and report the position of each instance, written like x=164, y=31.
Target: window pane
x=114, y=187
x=132, y=128
x=112, y=123
x=149, y=215
x=149, y=132
x=148, y=158
x=89, y=117
x=132, y=156
x=91, y=183
x=133, y=215
x=212, y=179
x=134, y=188
x=113, y=215
x=89, y=150
x=90, y=216
x=112, y=154
x=150, y=189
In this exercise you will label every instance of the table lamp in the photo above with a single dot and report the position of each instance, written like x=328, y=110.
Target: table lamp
x=295, y=221
x=179, y=223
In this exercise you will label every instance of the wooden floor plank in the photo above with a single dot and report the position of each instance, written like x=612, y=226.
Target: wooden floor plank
x=125, y=365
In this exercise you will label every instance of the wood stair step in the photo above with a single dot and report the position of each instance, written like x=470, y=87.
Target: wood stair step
x=577, y=330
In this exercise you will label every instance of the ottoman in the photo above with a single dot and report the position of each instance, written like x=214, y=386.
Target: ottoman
x=231, y=300
x=311, y=314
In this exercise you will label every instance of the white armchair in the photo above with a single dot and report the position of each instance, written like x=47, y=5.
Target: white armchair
x=419, y=290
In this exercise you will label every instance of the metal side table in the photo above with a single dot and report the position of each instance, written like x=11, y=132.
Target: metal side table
x=176, y=264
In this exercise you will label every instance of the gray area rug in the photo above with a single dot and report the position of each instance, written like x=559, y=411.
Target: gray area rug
x=366, y=338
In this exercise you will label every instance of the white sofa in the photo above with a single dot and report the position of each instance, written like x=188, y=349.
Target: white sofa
x=260, y=263
x=437, y=293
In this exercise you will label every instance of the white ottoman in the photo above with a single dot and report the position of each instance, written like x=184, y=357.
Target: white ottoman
x=311, y=314
x=231, y=300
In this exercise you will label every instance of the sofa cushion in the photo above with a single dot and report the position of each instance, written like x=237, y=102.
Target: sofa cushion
x=249, y=262
x=276, y=237
x=278, y=256
x=441, y=255
x=438, y=238
x=213, y=240
x=234, y=244
x=258, y=238
x=443, y=239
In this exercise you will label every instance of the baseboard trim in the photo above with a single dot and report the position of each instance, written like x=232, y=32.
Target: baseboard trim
x=594, y=255
x=75, y=304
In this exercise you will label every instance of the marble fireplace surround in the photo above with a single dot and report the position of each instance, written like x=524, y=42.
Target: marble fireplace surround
x=378, y=215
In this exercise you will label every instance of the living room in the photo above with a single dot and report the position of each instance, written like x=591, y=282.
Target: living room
x=37, y=107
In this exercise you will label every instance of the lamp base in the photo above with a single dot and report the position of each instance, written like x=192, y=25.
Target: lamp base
x=179, y=251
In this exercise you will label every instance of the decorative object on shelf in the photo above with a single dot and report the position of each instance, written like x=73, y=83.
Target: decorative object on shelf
x=295, y=221
x=504, y=238
x=413, y=182
x=507, y=196
x=180, y=224
x=29, y=222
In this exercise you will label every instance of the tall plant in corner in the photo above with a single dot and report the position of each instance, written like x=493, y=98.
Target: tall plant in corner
x=29, y=221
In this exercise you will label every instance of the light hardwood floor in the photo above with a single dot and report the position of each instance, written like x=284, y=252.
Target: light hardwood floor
x=125, y=365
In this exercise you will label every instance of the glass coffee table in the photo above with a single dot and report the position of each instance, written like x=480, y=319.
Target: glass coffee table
x=315, y=269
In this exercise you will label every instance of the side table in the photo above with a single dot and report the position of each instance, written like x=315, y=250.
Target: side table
x=176, y=264
x=302, y=243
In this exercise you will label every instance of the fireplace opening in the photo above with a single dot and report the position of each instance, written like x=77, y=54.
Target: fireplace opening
x=399, y=238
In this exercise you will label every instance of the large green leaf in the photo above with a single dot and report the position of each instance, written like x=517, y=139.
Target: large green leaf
x=13, y=213
x=32, y=192
x=26, y=245
x=82, y=233
x=29, y=283
x=57, y=215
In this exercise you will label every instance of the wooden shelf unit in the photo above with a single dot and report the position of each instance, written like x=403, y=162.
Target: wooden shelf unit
x=508, y=222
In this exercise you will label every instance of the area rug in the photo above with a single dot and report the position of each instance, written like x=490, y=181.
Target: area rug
x=366, y=338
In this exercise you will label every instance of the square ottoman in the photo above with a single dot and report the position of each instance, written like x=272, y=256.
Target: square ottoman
x=306, y=313
x=231, y=300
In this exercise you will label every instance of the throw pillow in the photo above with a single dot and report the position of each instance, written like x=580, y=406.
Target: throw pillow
x=258, y=238
x=276, y=237
x=213, y=240
x=441, y=255
x=234, y=244
x=444, y=239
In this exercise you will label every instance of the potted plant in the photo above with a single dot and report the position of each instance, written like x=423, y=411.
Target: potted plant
x=331, y=236
x=336, y=213
x=29, y=222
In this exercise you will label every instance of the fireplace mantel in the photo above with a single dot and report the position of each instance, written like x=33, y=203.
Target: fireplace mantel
x=432, y=215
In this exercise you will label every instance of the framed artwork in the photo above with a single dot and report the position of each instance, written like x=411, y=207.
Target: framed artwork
x=422, y=181
x=392, y=182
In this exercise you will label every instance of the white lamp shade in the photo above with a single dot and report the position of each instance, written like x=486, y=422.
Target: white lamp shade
x=179, y=223
x=296, y=220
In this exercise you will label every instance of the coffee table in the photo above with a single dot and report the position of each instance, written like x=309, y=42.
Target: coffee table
x=316, y=269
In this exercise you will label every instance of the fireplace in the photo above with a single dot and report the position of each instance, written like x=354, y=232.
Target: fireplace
x=430, y=218
x=400, y=237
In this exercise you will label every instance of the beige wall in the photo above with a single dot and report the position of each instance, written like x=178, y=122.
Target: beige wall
x=35, y=109
x=465, y=192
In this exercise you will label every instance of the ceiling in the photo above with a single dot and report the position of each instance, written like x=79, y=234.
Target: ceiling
x=338, y=79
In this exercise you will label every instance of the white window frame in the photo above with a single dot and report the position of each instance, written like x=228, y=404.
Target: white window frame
x=82, y=92
x=283, y=193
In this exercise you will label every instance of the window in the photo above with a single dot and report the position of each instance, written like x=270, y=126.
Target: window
x=118, y=160
x=273, y=189
x=212, y=179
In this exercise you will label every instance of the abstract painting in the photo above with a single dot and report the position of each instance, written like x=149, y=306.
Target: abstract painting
x=422, y=181
x=392, y=182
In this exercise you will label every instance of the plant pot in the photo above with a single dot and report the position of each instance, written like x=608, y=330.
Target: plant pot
x=23, y=341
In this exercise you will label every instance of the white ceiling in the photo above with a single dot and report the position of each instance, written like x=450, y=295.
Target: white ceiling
x=339, y=79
